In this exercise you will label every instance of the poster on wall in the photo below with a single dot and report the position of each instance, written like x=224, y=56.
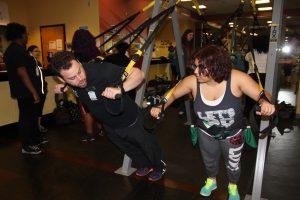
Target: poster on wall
x=59, y=45
x=4, y=16
x=52, y=45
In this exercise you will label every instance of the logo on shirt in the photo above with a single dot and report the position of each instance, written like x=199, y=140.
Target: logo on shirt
x=92, y=95
x=223, y=118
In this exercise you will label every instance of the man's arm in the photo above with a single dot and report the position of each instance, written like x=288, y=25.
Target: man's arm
x=134, y=79
x=22, y=72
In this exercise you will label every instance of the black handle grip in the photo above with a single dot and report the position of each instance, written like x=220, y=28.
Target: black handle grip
x=63, y=88
x=257, y=108
x=118, y=96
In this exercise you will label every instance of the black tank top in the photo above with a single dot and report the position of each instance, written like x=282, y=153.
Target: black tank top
x=227, y=113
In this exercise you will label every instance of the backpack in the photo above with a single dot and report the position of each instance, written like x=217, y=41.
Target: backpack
x=66, y=111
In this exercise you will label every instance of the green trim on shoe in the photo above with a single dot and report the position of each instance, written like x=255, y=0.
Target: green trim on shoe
x=233, y=192
x=209, y=186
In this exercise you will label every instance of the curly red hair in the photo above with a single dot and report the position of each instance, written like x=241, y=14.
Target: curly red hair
x=215, y=62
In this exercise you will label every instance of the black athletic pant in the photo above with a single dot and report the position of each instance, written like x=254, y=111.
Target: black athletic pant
x=28, y=121
x=138, y=144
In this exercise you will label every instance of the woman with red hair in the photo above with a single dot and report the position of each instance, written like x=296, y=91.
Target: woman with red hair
x=217, y=90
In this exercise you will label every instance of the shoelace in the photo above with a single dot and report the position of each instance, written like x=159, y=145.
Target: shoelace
x=232, y=189
x=34, y=147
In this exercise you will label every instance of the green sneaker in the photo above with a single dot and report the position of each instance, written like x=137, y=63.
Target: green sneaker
x=233, y=192
x=209, y=186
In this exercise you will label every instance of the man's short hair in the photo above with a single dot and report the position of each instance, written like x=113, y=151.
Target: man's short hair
x=14, y=31
x=61, y=60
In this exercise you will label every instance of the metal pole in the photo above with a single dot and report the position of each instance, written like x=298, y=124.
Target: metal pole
x=271, y=86
x=180, y=60
x=126, y=168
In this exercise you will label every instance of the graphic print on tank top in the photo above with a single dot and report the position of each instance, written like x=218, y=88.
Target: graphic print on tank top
x=224, y=112
x=223, y=118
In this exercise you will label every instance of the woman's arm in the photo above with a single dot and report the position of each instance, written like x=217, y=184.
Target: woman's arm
x=250, y=88
x=186, y=86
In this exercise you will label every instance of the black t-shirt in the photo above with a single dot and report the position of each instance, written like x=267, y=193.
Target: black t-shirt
x=99, y=76
x=14, y=57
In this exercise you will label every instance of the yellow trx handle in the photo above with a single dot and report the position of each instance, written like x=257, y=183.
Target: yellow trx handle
x=256, y=72
x=148, y=6
x=170, y=92
x=134, y=59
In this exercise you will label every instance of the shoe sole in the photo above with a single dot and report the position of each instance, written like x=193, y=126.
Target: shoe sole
x=31, y=153
x=43, y=142
x=139, y=175
x=162, y=175
x=209, y=193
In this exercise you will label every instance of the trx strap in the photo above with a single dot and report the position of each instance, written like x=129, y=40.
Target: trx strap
x=161, y=104
x=274, y=118
x=125, y=21
x=215, y=38
x=160, y=18
x=272, y=124
x=144, y=25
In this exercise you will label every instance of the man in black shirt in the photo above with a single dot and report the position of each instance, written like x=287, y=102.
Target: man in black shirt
x=25, y=86
x=95, y=84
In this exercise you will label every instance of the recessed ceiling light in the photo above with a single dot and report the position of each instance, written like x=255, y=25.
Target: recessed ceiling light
x=200, y=6
x=269, y=22
x=262, y=1
x=288, y=17
x=264, y=8
x=230, y=23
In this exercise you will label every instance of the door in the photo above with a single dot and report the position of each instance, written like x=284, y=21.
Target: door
x=53, y=39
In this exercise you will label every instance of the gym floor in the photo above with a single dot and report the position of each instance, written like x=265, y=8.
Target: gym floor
x=69, y=169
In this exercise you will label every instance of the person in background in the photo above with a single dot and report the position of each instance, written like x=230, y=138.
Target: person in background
x=287, y=64
x=2, y=65
x=260, y=50
x=34, y=51
x=25, y=86
x=85, y=50
x=119, y=58
x=217, y=90
x=174, y=67
x=238, y=59
x=187, y=40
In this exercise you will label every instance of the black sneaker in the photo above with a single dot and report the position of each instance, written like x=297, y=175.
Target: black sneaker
x=87, y=138
x=33, y=150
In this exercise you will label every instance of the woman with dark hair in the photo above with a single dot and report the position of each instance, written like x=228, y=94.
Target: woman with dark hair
x=217, y=90
x=85, y=50
x=34, y=51
x=84, y=46
x=187, y=40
